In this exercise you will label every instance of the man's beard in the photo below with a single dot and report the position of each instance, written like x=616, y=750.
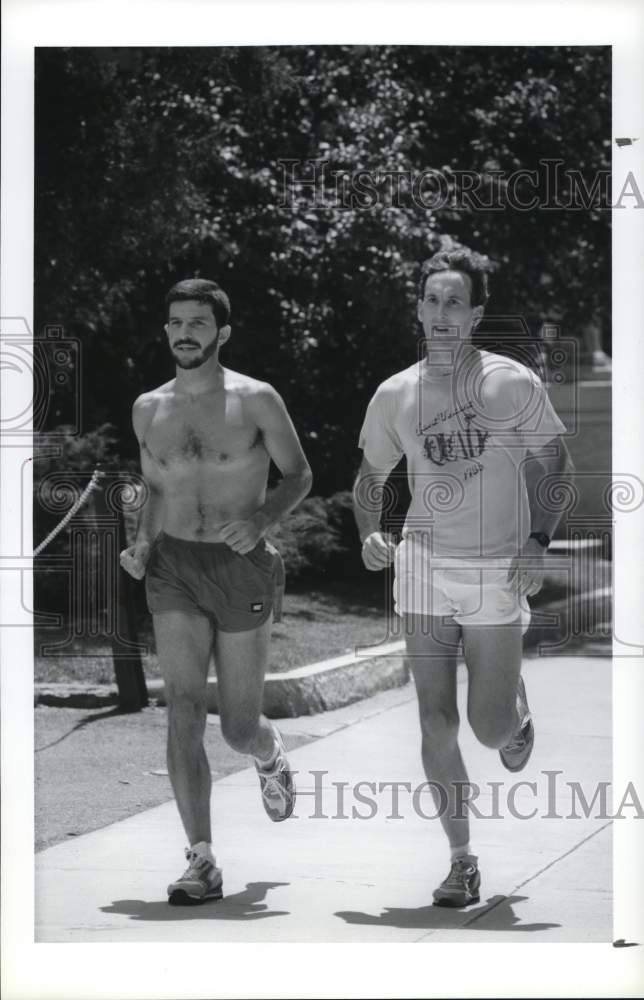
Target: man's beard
x=196, y=360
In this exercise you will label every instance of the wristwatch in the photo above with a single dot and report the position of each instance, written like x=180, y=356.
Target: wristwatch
x=541, y=537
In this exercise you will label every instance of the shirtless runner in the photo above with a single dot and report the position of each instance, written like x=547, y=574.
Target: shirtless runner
x=213, y=583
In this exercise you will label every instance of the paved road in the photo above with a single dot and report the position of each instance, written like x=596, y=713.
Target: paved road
x=328, y=876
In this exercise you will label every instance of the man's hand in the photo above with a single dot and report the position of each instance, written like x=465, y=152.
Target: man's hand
x=243, y=536
x=528, y=569
x=378, y=551
x=135, y=558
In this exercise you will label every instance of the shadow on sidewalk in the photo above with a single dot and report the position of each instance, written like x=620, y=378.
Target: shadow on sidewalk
x=245, y=905
x=495, y=915
x=97, y=717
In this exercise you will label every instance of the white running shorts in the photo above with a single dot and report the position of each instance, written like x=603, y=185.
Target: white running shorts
x=471, y=591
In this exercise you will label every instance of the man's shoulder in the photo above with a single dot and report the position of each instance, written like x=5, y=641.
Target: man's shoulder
x=145, y=406
x=506, y=370
x=255, y=394
x=149, y=399
x=245, y=385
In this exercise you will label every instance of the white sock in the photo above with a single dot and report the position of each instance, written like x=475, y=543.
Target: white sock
x=267, y=764
x=204, y=850
x=460, y=852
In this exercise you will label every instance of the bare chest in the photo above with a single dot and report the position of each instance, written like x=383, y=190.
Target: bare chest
x=212, y=431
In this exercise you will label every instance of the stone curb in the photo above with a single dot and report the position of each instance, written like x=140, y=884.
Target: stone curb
x=63, y=695
x=284, y=697
x=346, y=679
x=325, y=689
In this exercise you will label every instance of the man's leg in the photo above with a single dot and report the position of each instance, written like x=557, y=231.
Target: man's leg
x=493, y=658
x=432, y=645
x=432, y=659
x=183, y=647
x=241, y=658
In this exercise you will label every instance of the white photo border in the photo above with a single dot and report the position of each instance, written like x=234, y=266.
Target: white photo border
x=78, y=971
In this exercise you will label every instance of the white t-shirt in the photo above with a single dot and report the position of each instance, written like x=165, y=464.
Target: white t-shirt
x=465, y=436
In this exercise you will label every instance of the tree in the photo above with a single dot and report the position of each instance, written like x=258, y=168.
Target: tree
x=150, y=168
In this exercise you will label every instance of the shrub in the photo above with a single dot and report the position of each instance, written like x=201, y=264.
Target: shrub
x=319, y=539
x=307, y=539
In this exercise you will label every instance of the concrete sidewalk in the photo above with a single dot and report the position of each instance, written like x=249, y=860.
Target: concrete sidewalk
x=327, y=877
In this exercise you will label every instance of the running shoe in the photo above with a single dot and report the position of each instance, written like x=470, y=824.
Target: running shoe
x=461, y=887
x=276, y=783
x=201, y=881
x=516, y=754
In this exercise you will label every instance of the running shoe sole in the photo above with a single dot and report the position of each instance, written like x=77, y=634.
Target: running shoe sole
x=456, y=904
x=181, y=898
x=516, y=760
x=521, y=763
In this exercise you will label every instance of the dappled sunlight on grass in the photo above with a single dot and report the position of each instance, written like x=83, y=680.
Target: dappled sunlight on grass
x=317, y=623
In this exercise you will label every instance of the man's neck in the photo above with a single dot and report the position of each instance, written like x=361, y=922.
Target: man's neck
x=196, y=381
x=442, y=364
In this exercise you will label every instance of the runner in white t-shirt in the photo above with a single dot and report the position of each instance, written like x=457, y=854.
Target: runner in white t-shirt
x=474, y=538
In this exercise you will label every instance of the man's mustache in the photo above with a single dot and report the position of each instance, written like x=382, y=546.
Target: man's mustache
x=186, y=343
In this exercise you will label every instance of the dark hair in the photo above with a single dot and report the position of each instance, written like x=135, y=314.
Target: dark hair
x=467, y=262
x=202, y=290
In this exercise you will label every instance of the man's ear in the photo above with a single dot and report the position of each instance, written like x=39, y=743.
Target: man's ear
x=167, y=329
x=477, y=315
x=224, y=334
x=419, y=311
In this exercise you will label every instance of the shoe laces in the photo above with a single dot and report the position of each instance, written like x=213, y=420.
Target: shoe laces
x=272, y=779
x=458, y=873
x=193, y=863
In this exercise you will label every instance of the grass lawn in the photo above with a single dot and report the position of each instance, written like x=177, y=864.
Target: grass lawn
x=318, y=622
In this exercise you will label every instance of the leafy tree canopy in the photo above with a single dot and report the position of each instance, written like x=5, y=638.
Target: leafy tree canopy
x=156, y=164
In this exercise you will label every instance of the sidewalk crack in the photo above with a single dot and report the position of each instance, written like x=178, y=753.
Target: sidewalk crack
x=531, y=878
x=499, y=902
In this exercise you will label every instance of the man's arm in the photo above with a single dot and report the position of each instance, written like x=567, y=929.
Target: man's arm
x=377, y=549
x=545, y=463
x=283, y=446
x=134, y=559
x=552, y=459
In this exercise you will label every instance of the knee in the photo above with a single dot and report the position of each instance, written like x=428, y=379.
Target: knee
x=239, y=733
x=439, y=725
x=493, y=731
x=187, y=709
